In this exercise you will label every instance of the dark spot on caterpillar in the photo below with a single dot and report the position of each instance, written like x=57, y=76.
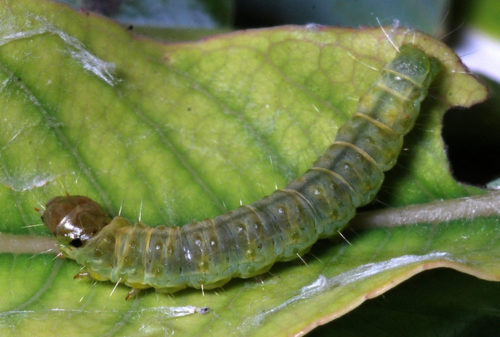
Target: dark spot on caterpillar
x=249, y=240
x=204, y=310
x=130, y=27
x=76, y=243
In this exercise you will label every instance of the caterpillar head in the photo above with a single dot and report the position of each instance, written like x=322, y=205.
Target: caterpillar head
x=74, y=220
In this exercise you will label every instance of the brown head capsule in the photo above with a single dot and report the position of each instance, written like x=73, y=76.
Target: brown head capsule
x=74, y=219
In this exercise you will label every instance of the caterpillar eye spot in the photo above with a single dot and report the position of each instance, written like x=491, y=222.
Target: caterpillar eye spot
x=76, y=243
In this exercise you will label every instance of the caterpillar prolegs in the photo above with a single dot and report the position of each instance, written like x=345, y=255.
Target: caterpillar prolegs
x=249, y=240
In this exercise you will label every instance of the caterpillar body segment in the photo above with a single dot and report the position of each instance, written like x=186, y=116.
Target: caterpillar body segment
x=247, y=241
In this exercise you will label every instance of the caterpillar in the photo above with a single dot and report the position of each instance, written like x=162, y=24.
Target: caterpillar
x=247, y=241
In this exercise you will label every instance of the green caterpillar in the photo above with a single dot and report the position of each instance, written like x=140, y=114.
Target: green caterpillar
x=249, y=240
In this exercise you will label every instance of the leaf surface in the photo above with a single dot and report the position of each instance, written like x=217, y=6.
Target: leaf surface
x=181, y=132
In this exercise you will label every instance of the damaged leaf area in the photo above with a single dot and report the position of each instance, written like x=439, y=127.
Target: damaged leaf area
x=170, y=134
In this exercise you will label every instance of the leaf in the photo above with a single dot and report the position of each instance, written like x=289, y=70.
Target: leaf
x=483, y=15
x=181, y=132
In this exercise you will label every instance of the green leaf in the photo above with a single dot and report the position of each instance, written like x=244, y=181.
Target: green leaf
x=483, y=15
x=181, y=132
